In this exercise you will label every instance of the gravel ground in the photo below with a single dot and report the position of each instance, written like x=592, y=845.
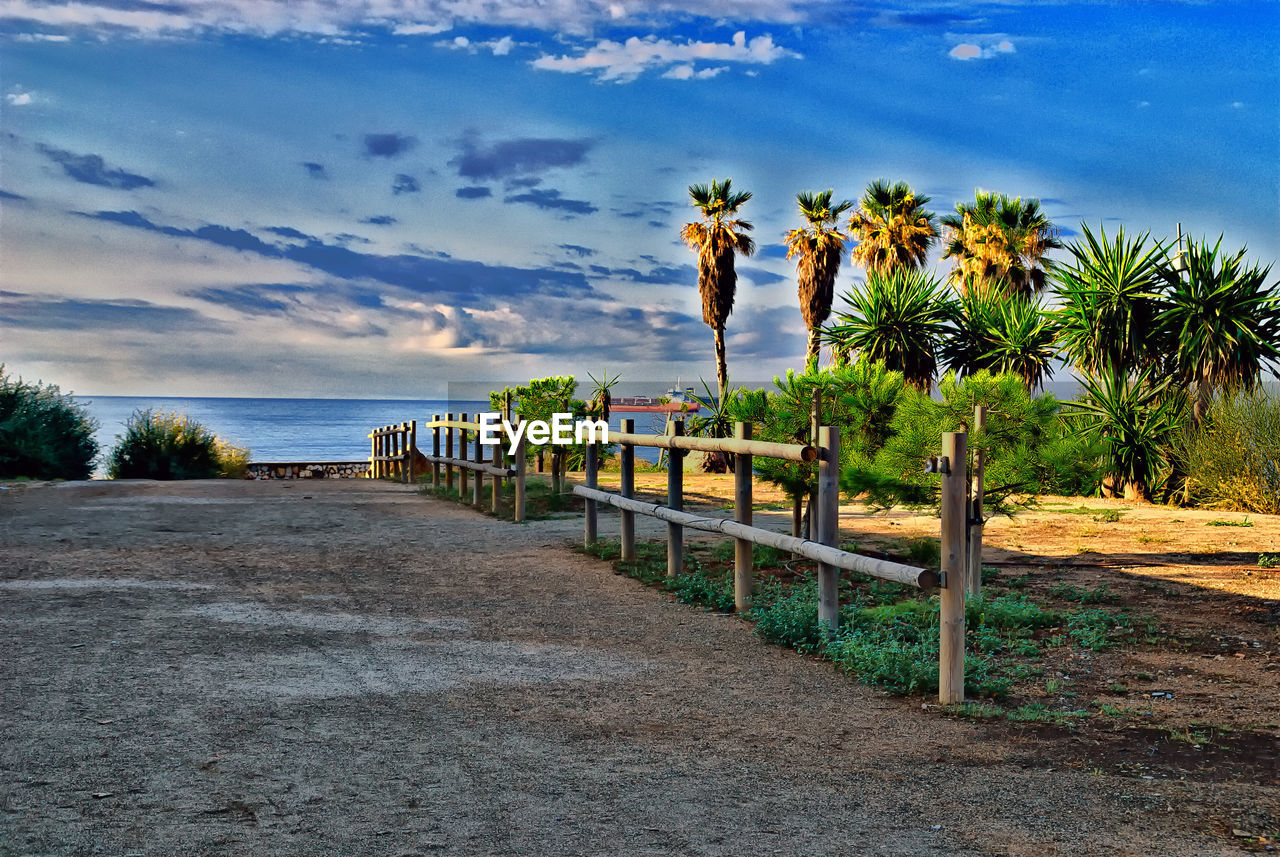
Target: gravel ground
x=345, y=667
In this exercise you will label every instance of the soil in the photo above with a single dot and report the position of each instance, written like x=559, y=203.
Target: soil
x=348, y=667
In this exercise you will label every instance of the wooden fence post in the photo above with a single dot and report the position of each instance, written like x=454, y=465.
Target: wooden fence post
x=448, y=453
x=477, y=495
x=373, y=453
x=435, y=452
x=589, y=520
x=628, y=490
x=743, y=574
x=413, y=451
x=465, y=454
x=828, y=514
x=675, y=500
x=975, y=508
x=951, y=620
x=521, y=465
x=815, y=417
x=499, y=460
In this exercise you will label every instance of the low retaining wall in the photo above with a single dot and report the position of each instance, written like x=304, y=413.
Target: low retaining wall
x=308, y=470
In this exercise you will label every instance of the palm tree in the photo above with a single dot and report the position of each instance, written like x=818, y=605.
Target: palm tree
x=996, y=237
x=717, y=238
x=1134, y=417
x=820, y=246
x=893, y=228
x=1224, y=320
x=897, y=318
x=1109, y=303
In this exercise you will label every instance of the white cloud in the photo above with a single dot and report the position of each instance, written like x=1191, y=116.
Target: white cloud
x=18, y=98
x=625, y=61
x=980, y=47
x=402, y=17
x=500, y=47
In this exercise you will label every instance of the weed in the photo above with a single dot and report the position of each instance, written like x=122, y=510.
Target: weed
x=1101, y=594
x=1118, y=689
x=1268, y=560
x=790, y=618
x=989, y=574
x=1220, y=522
x=1037, y=712
x=974, y=710
x=925, y=552
x=1110, y=516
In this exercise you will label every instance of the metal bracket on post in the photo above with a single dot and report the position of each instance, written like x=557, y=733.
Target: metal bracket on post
x=937, y=464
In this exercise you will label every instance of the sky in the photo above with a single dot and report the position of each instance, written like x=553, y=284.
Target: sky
x=378, y=198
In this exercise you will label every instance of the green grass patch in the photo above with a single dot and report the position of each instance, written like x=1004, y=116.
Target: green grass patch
x=1222, y=522
x=1100, y=594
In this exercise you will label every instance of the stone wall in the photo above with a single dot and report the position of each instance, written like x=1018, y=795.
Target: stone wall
x=308, y=470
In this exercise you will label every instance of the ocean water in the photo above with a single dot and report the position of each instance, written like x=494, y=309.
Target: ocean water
x=299, y=429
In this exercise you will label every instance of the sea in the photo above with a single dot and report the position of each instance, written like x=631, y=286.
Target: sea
x=301, y=429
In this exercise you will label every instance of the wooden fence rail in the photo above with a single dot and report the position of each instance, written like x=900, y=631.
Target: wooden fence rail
x=392, y=450
x=463, y=437
x=824, y=549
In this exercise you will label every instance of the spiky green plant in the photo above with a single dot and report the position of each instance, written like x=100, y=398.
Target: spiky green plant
x=1135, y=418
x=1021, y=341
x=1224, y=319
x=717, y=238
x=1109, y=302
x=897, y=318
x=819, y=246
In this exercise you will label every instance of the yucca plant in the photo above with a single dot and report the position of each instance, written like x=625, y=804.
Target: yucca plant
x=718, y=237
x=1109, y=302
x=1021, y=340
x=966, y=346
x=1135, y=419
x=892, y=227
x=819, y=246
x=1224, y=319
x=897, y=318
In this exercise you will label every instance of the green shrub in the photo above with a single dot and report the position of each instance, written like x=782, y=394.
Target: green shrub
x=1233, y=460
x=160, y=445
x=789, y=617
x=43, y=434
x=699, y=588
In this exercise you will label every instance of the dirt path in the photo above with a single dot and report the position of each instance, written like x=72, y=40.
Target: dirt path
x=349, y=668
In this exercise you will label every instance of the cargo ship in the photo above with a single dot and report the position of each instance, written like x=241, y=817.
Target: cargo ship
x=675, y=401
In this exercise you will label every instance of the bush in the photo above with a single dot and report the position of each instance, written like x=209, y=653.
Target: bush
x=790, y=617
x=43, y=434
x=161, y=445
x=1233, y=460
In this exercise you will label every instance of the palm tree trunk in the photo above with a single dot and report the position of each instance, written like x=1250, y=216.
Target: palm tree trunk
x=722, y=367
x=815, y=345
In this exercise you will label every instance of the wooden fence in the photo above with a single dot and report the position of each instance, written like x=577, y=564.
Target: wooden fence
x=463, y=437
x=953, y=580
x=392, y=451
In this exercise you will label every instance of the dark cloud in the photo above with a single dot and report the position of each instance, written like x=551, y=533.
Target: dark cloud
x=404, y=184
x=265, y=299
x=527, y=181
x=316, y=171
x=657, y=224
x=474, y=192
x=92, y=169
x=550, y=199
x=660, y=275
x=434, y=275
x=4, y=194
x=760, y=276
x=379, y=220
x=518, y=157
x=285, y=232
x=771, y=251
x=577, y=249
x=42, y=312
x=387, y=145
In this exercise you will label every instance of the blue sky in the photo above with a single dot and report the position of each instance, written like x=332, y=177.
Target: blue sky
x=240, y=197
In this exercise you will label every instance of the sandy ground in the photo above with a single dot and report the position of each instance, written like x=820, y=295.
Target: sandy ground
x=350, y=668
